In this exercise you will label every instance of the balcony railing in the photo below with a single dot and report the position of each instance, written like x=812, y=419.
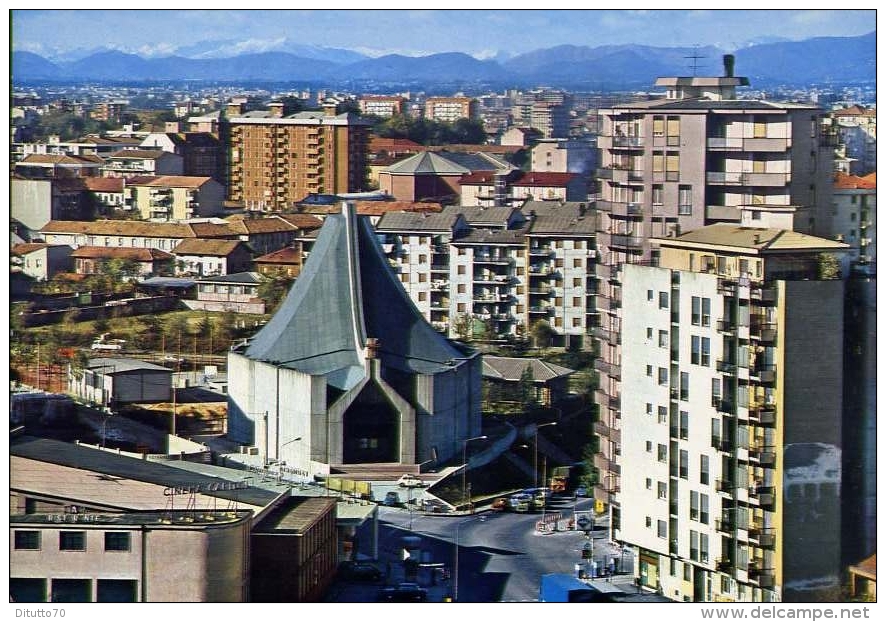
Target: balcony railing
x=726, y=367
x=626, y=241
x=607, y=368
x=628, y=142
x=762, y=415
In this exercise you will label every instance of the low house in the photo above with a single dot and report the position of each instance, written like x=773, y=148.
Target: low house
x=508, y=375
x=231, y=292
x=286, y=262
x=57, y=166
x=202, y=257
x=41, y=261
x=131, y=162
x=174, y=197
x=486, y=189
x=110, y=381
x=107, y=192
x=144, y=261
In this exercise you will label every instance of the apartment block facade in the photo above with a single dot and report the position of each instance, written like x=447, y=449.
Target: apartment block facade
x=731, y=417
x=275, y=161
x=451, y=109
x=495, y=272
x=696, y=157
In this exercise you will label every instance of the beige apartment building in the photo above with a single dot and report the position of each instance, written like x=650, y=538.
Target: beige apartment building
x=451, y=109
x=174, y=197
x=670, y=165
x=731, y=409
x=275, y=161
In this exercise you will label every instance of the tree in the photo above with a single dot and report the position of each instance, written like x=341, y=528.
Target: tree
x=527, y=387
x=176, y=331
x=273, y=290
x=542, y=333
x=469, y=132
x=828, y=267
x=464, y=326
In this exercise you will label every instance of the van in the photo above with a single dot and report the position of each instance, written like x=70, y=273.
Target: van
x=392, y=499
x=520, y=502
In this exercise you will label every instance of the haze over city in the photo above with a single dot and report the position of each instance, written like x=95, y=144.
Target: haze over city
x=481, y=33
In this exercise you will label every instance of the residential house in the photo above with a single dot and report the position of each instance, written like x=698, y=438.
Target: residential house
x=857, y=131
x=147, y=261
x=135, y=162
x=58, y=166
x=163, y=236
x=237, y=292
x=107, y=193
x=855, y=214
x=41, y=261
x=514, y=187
x=174, y=197
x=505, y=377
x=286, y=262
x=202, y=257
x=35, y=202
x=268, y=234
x=202, y=153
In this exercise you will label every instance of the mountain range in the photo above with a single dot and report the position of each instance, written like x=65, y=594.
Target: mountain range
x=611, y=67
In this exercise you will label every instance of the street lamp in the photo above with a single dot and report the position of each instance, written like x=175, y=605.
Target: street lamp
x=535, y=459
x=464, y=473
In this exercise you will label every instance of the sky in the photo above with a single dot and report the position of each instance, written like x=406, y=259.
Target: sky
x=481, y=33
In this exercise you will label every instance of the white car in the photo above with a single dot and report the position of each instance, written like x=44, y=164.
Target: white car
x=410, y=481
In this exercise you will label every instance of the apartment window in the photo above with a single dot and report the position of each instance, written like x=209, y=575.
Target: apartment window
x=684, y=464
x=687, y=572
x=672, y=166
x=648, y=483
x=648, y=405
x=662, y=453
x=673, y=132
x=705, y=311
x=576, y=282
x=662, y=414
x=658, y=162
x=703, y=546
x=649, y=447
x=662, y=375
x=662, y=339
x=706, y=351
x=684, y=385
x=404, y=278
x=696, y=350
x=684, y=425
x=576, y=322
x=27, y=540
x=693, y=546
x=662, y=529
x=559, y=263
x=684, y=201
x=461, y=307
x=662, y=300
x=649, y=521
x=696, y=311
x=462, y=288
x=657, y=194
x=117, y=541
x=705, y=515
x=576, y=262
x=72, y=540
x=658, y=125
x=422, y=277
x=704, y=470
x=422, y=296
x=576, y=301
x=650, y=295
x=462, y=269
x=662, y=490
x=649, y=370
x=422, y=259
x=693, y=505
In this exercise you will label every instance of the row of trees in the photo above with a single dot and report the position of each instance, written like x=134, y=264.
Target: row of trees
x=430, y=132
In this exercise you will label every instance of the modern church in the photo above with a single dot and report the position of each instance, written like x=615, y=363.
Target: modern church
x=348, y=372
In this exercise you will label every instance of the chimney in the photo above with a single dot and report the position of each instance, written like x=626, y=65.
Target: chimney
x=756, y=238
x=234, y=110
x=276, y=109
x=729, y=65
x=330, y=109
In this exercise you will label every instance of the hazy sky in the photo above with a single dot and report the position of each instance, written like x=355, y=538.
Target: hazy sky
x=481, y=33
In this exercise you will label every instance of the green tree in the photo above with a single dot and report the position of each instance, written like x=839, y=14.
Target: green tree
x=464, y=327
x=828, y=267
x=469, y=132
x=542, y=333
x=273, y=289
x=527, y=387
x=176, y=331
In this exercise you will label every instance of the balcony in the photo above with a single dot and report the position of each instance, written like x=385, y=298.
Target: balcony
x=726, y=367
x=749, y=144
x=764, y=374
x=762, y=576
x=763, y=495
x=542, y=309
x=627, y=142
x=626, y=241
x=493, y=259
x=725, y=565
x=625, y=209
x=440, y=267
x=762, y=454
x=765, y=332
x=726, y=325
x=609, y=369
x=725, y=524
x=763, y=538
x=541, y=251
x=606, y=465
x=721, y=444
x=762, y=415
x=724, y=486
x=763, y=294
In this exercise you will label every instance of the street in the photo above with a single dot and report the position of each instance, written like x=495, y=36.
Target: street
x=501, y=556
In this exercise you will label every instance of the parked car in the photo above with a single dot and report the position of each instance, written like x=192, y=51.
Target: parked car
x=581, y=491
x=520, y=502
x=410, y=481
x=404, y=593
x=361, y=571
x=392, y=499
x=500, y=504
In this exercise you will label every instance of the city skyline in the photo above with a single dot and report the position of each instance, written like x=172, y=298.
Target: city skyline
x=484, y=34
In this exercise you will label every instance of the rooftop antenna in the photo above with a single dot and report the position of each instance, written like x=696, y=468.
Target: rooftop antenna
x=695, y=56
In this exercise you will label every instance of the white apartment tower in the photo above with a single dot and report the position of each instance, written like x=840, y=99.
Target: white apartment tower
x=731, y=417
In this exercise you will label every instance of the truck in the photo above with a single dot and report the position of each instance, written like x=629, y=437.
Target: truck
x=563, y=479
x=565, y=588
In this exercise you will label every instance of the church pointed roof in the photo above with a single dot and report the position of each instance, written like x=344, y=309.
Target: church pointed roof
x=345, y=294
x=429, y=163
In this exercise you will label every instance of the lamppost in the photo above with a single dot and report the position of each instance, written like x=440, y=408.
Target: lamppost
x=535, y=459
x=464, y=473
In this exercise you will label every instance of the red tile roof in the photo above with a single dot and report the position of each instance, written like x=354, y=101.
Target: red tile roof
x=29, y=247
x=843, y=181
x=271, y=224
x=198, y=246
x=139, y=228
x=286, y=255
x=117, y=252
x=104, y=184
x=137, y=154
x=170, y=181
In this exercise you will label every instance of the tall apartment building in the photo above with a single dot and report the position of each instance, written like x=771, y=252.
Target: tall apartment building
x=490, y=271
x=451, y=109
x=276, y=160
x=855, y=214
x=731, y=417
x=382, y=105
x=856, y=127
x=671, y=165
